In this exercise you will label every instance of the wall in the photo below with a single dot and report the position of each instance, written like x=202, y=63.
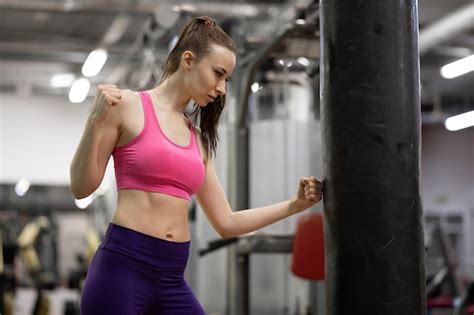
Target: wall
x=38, y=137
x=447, y=168
x=447, y=181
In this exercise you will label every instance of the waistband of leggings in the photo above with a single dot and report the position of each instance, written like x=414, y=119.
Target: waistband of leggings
x=154, y=251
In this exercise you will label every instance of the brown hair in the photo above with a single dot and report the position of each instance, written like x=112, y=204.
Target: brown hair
x=197, y=36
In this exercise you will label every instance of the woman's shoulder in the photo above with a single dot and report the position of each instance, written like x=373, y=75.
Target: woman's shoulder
x=129, y=100
x=127, y=106
x=129, y=95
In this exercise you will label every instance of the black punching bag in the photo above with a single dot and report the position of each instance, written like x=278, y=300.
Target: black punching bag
x=370, y=119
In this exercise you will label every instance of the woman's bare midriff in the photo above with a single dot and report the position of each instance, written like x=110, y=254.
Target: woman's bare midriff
x=156, y=214
x=159, y=215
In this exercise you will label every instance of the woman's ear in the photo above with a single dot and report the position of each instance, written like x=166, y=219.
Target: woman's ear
x=187, y=59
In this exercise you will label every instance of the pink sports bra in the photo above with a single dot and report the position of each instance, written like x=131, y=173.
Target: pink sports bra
x=152, y=162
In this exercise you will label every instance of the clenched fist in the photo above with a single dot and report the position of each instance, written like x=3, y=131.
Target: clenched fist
x=310, y=192
x=107, y=95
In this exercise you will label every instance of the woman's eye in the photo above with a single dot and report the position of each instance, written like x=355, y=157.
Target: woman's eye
x=219, y=73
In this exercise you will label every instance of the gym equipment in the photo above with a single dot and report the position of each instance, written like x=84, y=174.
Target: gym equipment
x=26, y=241
x=308, y=247
x=238, y=155
x=244, y=246
x=457, y=301
x=370, y=122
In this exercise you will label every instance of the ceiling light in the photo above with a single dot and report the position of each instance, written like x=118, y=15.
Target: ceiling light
x=457, y=68
x=188, y=8
x=460, y=121
x=304, y=61
x=62, y=80
x=94, y=62
x=79, y=90
x=84, y=202
x=255, y=87
x=22, y=187
x=116, y=30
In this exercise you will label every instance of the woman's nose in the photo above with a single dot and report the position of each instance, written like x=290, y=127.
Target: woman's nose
x=221, y=88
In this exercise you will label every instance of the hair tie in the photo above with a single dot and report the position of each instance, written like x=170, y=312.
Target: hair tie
x=208, y=21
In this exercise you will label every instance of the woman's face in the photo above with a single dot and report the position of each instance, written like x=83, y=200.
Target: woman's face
x=207, y=78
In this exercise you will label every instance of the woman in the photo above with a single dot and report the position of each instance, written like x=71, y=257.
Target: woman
x=161, y=159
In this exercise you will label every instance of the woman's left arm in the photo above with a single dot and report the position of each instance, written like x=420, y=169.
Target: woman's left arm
x=228, y=223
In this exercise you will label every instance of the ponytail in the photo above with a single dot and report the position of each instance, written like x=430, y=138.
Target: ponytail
x=197, y=36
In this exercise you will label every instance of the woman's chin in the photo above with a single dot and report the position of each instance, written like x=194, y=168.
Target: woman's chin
x=202, y=104
x=199, y=102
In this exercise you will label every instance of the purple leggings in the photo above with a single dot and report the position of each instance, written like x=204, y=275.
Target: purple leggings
x=135, y=273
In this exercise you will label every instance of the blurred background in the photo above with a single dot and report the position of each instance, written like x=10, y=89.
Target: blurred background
x=53, y=53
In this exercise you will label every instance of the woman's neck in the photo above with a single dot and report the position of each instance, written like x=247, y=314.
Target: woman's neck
x=171, y=94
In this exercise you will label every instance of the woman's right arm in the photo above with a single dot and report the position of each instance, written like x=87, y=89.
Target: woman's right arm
x=100, y=135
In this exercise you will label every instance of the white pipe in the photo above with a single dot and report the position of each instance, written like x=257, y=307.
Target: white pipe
x=443, y=29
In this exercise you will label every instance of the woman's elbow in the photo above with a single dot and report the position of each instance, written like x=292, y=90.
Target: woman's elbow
x=82, y=190
x=225, y=230
x=221, y=231
x=225, y=235
x=77, y=192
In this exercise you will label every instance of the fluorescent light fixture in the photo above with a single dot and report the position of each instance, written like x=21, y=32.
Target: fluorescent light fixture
x=188, y=8
x=22, y=187
x=300, y=22
x=79, y=90
x=84, y=202
x=247, y=10
x=94, y=62
x=304, y=61
x=62, y=80
x=460, y=121
x=457, y=68
x=255, y=87
x=116, y=30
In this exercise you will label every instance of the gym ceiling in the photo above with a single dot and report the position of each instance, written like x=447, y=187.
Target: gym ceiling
x=39, y=39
